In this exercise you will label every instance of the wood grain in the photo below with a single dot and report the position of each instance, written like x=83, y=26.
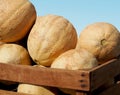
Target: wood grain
x=83, y=81
x=101, y=74
x=73, y=79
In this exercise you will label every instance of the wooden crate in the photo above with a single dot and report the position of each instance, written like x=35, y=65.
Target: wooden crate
x=85, y=82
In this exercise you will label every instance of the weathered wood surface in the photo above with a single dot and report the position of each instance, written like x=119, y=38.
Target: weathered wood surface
x=77, y=79
x=83, y=80
x=104, y=73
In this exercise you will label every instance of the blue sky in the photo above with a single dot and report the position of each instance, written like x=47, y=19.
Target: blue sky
x=81, y=12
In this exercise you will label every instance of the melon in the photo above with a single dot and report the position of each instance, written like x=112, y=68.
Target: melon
x=14, y=54
x=101, y=39
x=16, y=19
x=34, y=90
x=75, y=60
x=50, y=36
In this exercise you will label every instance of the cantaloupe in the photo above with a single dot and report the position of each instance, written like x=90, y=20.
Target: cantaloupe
x=101, y=39
x=50, y=36
x=16, y=19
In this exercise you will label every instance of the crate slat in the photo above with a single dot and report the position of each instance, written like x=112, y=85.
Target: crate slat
x=104, y=73
x=73, y=79
x=82, y=80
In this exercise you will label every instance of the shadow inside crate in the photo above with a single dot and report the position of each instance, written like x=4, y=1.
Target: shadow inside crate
x=9, y=87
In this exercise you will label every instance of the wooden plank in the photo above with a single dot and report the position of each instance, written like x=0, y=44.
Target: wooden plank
x=4, y=92
x=72, y=79
x=104, y=73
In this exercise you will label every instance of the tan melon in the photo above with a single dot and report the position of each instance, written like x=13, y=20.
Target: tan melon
x=14, y=54
x=50, y=36
x=34, y=90
x=101, y=39
x=16, y=19
x=75, y=60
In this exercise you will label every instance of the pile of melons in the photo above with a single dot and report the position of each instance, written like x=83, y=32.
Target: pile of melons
x=52, y=41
